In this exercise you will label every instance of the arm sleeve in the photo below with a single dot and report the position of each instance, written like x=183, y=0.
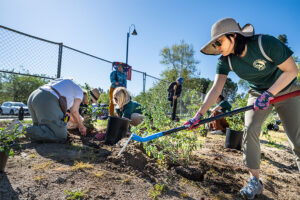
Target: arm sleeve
x=113, y=77
x=170, y=88
x=275, y=49
x=223, y=67
x=127, y=113
x=78, y=93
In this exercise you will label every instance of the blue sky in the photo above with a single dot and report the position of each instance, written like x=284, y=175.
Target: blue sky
x=99, y=27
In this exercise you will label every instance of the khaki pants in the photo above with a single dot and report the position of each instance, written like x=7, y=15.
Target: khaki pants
x=136, y=119
x=289, y=113
x=47, y=116
x=111, y=102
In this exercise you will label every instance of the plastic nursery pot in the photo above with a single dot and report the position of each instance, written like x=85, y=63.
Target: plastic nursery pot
x=4, y=154
x=233, y=139
x=3, y=160
x=116, y=129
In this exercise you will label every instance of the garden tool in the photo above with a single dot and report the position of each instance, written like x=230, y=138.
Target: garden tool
x=204, y=121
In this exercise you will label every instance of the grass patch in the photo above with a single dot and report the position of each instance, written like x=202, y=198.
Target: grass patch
x=32, y=155
x=81, y=166
x=39, y=178
x=99, y=174
x=75, y=194
x=126, y=180
x=158, y=190
x=61, y=169
x=43, y=166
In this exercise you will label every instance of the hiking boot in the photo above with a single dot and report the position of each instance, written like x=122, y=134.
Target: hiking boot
x=254, y=187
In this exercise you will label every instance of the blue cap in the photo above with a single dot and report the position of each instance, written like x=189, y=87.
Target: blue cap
x=180, y=80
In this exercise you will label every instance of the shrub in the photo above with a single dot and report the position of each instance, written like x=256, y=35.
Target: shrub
x=8, y=137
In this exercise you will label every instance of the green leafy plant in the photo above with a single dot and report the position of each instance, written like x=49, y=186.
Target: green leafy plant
x=8, y=138
x=73, y=195
x=236, y=122
x=158, y=190
x=169, y=149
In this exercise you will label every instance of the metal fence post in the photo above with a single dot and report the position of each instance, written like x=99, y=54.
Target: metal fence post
x=60, y=49
x=144, y=81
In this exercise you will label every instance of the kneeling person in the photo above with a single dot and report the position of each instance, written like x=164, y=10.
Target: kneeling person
x=47, y=116
x=127, y=108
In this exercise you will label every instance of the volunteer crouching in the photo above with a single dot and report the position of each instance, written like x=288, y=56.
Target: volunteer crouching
x=47, y=117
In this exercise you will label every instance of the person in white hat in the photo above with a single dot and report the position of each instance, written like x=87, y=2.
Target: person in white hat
x=268, y=66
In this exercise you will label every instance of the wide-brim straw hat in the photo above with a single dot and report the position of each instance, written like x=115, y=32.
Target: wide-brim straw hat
x=95, y=94
x=223, y=27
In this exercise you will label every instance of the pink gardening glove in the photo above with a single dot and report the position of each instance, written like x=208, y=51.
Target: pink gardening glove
x=194, y=122
x=263, y=101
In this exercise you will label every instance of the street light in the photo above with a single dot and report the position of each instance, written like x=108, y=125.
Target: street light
x=133, y=33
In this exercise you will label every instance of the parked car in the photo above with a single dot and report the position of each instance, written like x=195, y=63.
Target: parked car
x=12, y=108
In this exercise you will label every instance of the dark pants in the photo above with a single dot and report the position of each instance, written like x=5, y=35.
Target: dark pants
x=174, y=107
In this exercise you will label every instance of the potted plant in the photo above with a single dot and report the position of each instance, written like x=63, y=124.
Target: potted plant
x=8, y=137
x=234, y=134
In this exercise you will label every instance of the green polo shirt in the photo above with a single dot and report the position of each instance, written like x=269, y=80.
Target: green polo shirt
x=128, y=109
x=254, y=67
x=225, y=106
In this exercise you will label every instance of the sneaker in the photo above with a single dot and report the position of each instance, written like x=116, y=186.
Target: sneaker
x=254, y=187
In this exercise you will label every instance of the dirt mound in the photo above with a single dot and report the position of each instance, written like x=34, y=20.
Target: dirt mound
x=86, y=166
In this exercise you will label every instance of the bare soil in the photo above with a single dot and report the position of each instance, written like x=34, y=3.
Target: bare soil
x=93, y=170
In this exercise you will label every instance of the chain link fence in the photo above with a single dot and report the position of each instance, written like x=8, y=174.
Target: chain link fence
x=28, y=55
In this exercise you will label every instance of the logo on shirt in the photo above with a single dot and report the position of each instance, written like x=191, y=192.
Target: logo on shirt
x=259, y=64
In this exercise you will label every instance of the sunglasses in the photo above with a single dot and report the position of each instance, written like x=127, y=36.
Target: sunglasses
x=216, y=44
x=115, y=99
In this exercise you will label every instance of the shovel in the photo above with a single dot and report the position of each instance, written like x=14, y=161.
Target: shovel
x=204, y=121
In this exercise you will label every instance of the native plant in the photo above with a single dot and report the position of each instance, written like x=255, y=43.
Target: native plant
x=8, y=137
x=236, y=122
x=169, y=149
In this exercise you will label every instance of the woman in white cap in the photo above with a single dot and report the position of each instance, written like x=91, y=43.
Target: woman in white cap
x=267, y=65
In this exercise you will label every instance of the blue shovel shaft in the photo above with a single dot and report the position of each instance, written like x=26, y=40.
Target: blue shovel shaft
x=204, y=121
x=160, y=134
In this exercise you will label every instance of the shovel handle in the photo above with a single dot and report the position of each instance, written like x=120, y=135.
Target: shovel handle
x=239, y=110
x=285, y=96
x=233, y=112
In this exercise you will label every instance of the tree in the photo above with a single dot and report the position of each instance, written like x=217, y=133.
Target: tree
x=243, y=84
x=229, y=90
x=283, y=38
x=18, y=88
x=180, y=61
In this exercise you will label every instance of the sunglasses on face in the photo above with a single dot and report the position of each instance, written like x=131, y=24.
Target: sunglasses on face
x=216, y=44
x=115, y=99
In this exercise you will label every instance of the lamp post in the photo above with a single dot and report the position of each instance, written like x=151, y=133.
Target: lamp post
x=133, y=33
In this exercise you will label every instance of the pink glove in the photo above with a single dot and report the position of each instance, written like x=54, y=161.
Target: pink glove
x=263, y=101
x=194, y=122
